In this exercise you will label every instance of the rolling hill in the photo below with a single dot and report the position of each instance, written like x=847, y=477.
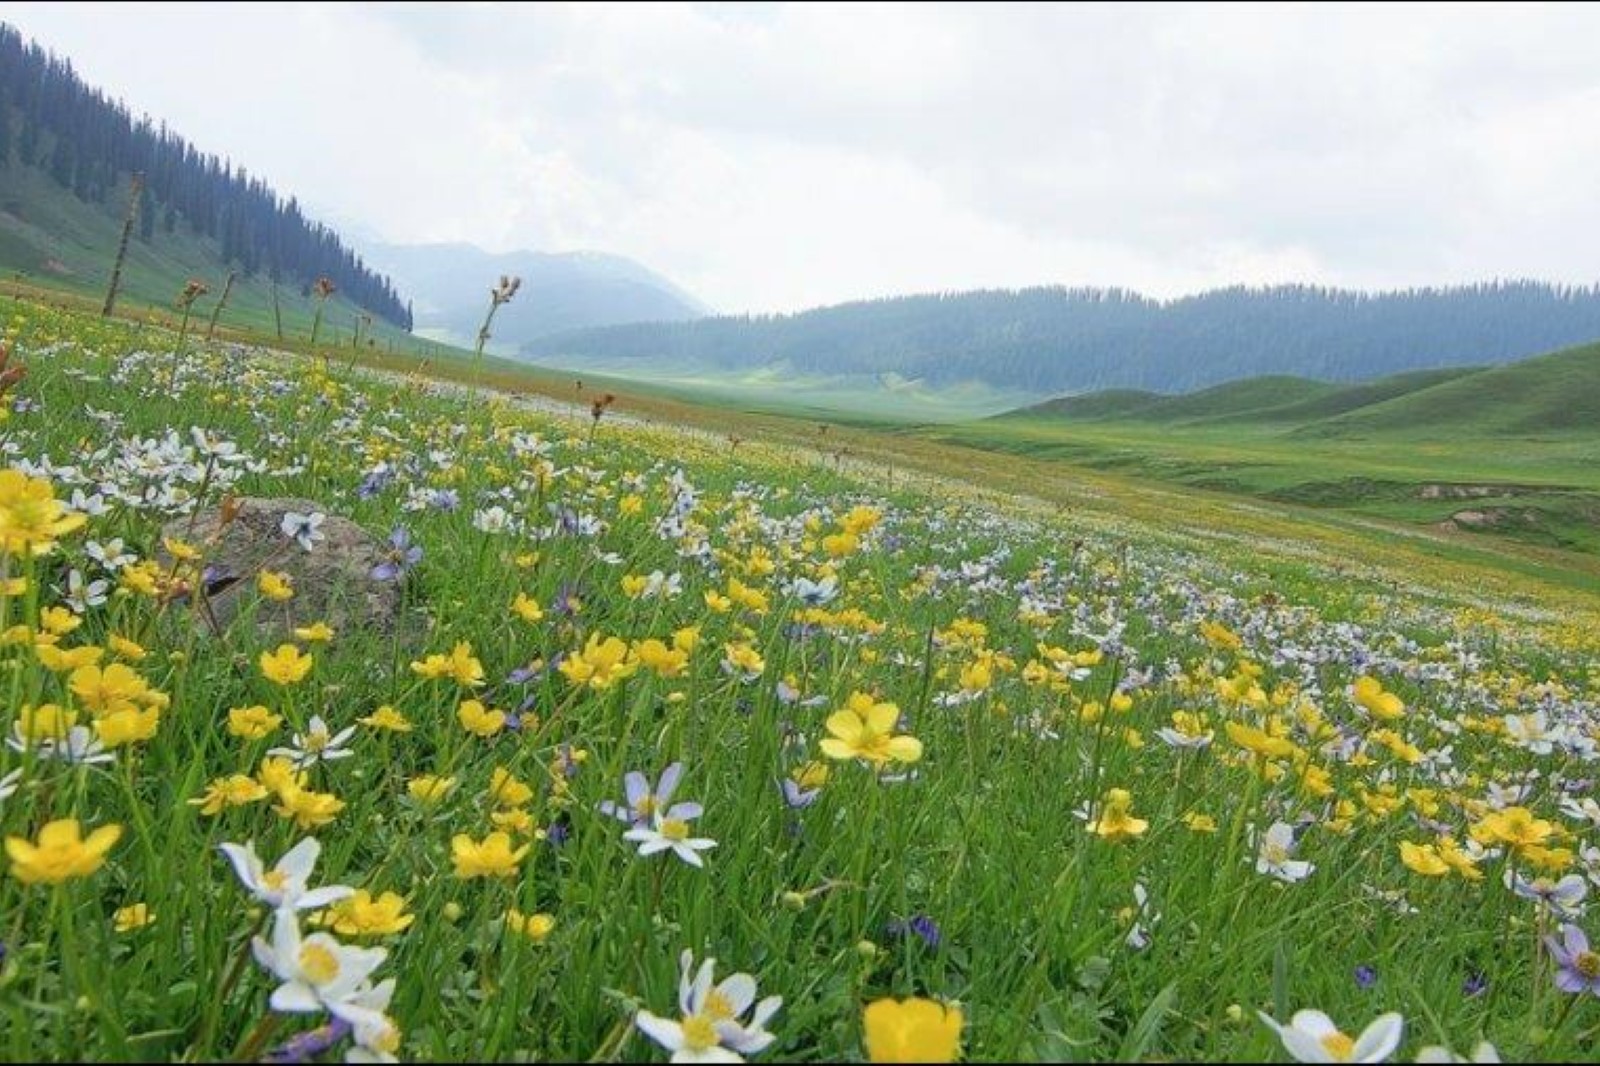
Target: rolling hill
x=1556, y=392
x=560, y=292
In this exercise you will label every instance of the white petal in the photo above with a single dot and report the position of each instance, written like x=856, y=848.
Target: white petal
x=664, y=1031
x=296, y=864
x=295, y=998
x=1380, y=1039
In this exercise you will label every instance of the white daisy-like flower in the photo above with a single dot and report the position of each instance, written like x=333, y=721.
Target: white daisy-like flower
x=318, y=972
x=317, y=744
x=80, y=746
x=1484, y=1052
x=284, y=886
x=1311, y=1036
x=712, y=1027
x=669, y=830
x=10, y=783
x=1275, y=856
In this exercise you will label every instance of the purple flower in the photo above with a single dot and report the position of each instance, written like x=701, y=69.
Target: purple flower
x=1366, y=976
x=399, y=559
x=1577, y=966
x=920, y=925
x=566, y=603
x=374, y=483
x=643, y=803
x=1475, y=984
x=445, y=500
x=303, y=1047
x=560, y=830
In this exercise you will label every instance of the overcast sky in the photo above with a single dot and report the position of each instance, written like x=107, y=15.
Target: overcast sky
x=778, y=157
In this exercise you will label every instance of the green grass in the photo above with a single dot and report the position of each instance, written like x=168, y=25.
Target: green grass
x=963, y=578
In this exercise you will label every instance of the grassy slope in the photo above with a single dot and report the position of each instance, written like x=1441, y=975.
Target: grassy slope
x=51, y=239
x=1409, y=449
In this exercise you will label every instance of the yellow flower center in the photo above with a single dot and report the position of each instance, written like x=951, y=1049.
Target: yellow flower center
x=316, y=741
x=1338, y=1045
x=318, y=963
x=275, y=880
x=717, y=1006
x=699, y=1033
x=1277, y=855
x=646, y=806
x=675, y=829
x=1588, y=964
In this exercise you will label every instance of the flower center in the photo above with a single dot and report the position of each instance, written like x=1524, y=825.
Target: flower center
x=675, y=829
x=318, y=963
x=1588, y=964
x=1277, y=855
x=1338, y=1045
x=275, y=880
x=316, y=742
x=646, y=806
x=717, y=1006
x=699, y=1033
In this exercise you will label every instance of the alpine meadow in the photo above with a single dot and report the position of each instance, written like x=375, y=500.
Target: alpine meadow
x=1080, y=545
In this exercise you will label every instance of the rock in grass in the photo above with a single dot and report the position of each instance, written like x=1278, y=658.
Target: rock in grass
x=331, y=578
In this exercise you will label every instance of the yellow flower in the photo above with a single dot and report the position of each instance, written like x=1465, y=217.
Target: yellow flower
x=865, y=730
x=506, y=791
x=1200, y=823
x=527, y=608
x=1116, y=820
x=62, y=853
x=59, y=621
x=134, y=916
x=308, y=809
x=459, y=665
x=318, y=633
x=116, y=688
x=1259, y=741
x=536, y=927
x=361, y=915
x=286, y=666
x=233, y=791
x=275, y=586
x=181, y=550
x=124, y=648
x=656, y=656
x=48, y=721
x=743, y=659
x=252, y=723
x=31, y=518
x=838, y=545
x=494, y=857
x=912, y=1030
x=601, y=663
x=1515, y=826
x=1423, y=859
x=479, y=720
x=1368, y=692
x=130, y=726
x=430, y=788
x=59, y=660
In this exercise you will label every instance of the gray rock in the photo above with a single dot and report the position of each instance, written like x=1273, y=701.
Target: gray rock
x=332, y=581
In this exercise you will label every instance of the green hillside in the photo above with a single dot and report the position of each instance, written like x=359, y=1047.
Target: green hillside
x=50, y=239
x=1557, y=393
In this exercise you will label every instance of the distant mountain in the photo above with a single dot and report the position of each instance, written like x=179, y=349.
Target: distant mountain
x=1060, y=340
x=1554, y=393
x=449, y=285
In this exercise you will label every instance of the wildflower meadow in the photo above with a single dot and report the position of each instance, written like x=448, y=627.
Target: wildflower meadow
x=676, y=749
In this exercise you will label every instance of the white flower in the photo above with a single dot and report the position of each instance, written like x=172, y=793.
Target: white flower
x=712, y=1029
x=113, y=554
x=284, y=886
x=315, y=745
x=10, y=783
x=491, y=520
x=304, y=529
x=666, y=832
x=1484, y=1052
x=1311, y=1036
x=1563, y=897
x=82, y=595
x=318, y=972
x=80, y=746
x=375, y=1035
x=813, y=593
x=1275, y=855
x=1585, y=809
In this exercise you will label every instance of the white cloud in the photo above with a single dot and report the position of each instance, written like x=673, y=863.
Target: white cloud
x=776, y=156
